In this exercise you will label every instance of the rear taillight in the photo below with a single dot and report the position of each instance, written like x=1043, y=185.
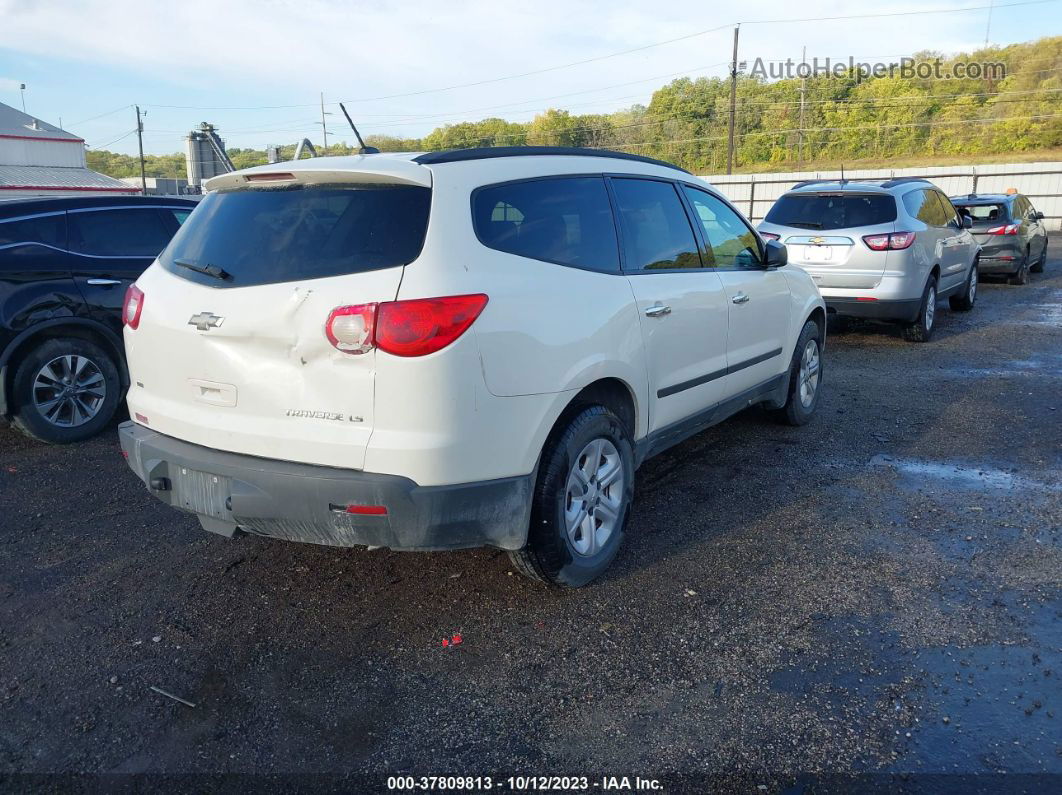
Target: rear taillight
x=1009, y=229
x=892, y=241
x=769, y=236
x=350, y=328
x=403, y=328
x=133, y=306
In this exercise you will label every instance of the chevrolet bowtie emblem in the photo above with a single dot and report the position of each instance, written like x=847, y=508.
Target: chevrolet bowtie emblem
x=204, y=321
x=818, y=241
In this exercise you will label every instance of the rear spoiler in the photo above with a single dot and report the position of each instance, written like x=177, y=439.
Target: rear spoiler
x=356, y=169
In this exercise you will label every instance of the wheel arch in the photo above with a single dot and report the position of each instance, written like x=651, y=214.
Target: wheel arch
x=81, y=328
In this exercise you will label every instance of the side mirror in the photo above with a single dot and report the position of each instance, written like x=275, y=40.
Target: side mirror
x=775, y=255
x=967, y=222
x=1037, y=215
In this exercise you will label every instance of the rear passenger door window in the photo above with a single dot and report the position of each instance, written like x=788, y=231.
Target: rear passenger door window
x=729, y=243
x=564, y=220
x=118, y=233
x=924, y=205
x=49, y=230
x=656, y=231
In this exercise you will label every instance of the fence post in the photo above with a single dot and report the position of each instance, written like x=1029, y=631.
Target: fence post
x=974, y=175
x=752, y=194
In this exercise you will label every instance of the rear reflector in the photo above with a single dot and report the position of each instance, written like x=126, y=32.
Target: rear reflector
x=866, y=298
x=132, y=306
x=360, y=510
x=403, y=328
x=141, y=418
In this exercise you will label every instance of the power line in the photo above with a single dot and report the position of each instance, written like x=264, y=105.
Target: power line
x=108, y=113
x=619, y=53
x=116, y=140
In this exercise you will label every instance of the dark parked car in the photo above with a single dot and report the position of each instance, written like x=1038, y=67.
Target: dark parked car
x=65, y=264
x=1011, y=233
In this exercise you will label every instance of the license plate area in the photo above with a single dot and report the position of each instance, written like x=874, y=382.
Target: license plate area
x=822, y=254
x=202, y=492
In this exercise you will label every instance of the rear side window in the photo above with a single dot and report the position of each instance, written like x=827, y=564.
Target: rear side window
x=307, y=232
x=832, y=211
x=565, y=220
x=118, y=233
x=656, y=232
x=984, y=213
x=926, y=207
x=47, y=229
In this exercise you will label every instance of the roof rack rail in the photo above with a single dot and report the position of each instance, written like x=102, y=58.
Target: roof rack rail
x=892, y=183
x=484, y=153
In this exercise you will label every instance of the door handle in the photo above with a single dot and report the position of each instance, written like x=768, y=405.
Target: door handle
x=658, y=310
x=103, y=282
x=740, y=298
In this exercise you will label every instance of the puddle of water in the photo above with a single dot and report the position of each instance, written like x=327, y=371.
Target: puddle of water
x=1038, y=368
x=962, y=476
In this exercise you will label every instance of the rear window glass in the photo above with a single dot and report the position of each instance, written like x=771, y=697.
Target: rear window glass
x=118, y=233
x=566, y=220
x=983, y=213
x=307, y=232
x=826, y=211
x=47, y=229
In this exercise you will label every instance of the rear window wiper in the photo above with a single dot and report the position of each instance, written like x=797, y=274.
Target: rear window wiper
x=208, y=270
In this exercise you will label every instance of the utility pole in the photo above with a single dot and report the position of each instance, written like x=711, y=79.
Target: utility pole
x=733, y=104
x=140, y=141
x=324, y=128
x=988, y=27
x=803, y=92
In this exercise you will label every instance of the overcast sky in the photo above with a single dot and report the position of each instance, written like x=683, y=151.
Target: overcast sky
x=236, y=62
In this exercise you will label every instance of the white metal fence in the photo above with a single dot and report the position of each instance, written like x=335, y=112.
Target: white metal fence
x=1041, y=182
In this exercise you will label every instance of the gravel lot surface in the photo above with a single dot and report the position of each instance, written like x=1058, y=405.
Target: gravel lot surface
x=877, y=593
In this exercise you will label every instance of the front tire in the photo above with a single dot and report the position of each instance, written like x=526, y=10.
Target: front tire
x=805, y=377
x=966, y=300
x=581, y=502
x=922, y=329
x=65, y=390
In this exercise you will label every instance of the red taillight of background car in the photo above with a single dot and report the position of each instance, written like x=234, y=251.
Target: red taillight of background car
x=403, y=328
x=132, y=306
x=1009, y=229
x=769, y=236
x=893, y=241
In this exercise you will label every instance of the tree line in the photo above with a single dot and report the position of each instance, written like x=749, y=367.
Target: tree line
x=847, y=117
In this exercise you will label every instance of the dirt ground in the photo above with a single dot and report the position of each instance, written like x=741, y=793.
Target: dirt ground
x=878, y=594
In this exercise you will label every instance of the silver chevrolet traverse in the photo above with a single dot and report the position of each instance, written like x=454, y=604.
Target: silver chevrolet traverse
x=886, y=250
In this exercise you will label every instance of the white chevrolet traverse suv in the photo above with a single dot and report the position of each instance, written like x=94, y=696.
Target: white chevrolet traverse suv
x=454, y=349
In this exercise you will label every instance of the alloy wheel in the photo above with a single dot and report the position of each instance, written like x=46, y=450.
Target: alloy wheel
x=69, y=391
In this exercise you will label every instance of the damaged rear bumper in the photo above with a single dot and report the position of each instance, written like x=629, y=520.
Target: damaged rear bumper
x=304, y=502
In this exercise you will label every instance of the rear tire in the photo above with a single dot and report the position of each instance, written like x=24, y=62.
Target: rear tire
x=922, y=329
x=965, y=301
x=805, y=377
x=65, y=390
x=567, y=544
x=1039, y=266
x=1021, y=276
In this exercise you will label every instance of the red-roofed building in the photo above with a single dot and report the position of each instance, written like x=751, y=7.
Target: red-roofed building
x=39, y=159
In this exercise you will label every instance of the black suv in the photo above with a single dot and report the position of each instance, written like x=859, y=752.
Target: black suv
x=65, y=264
